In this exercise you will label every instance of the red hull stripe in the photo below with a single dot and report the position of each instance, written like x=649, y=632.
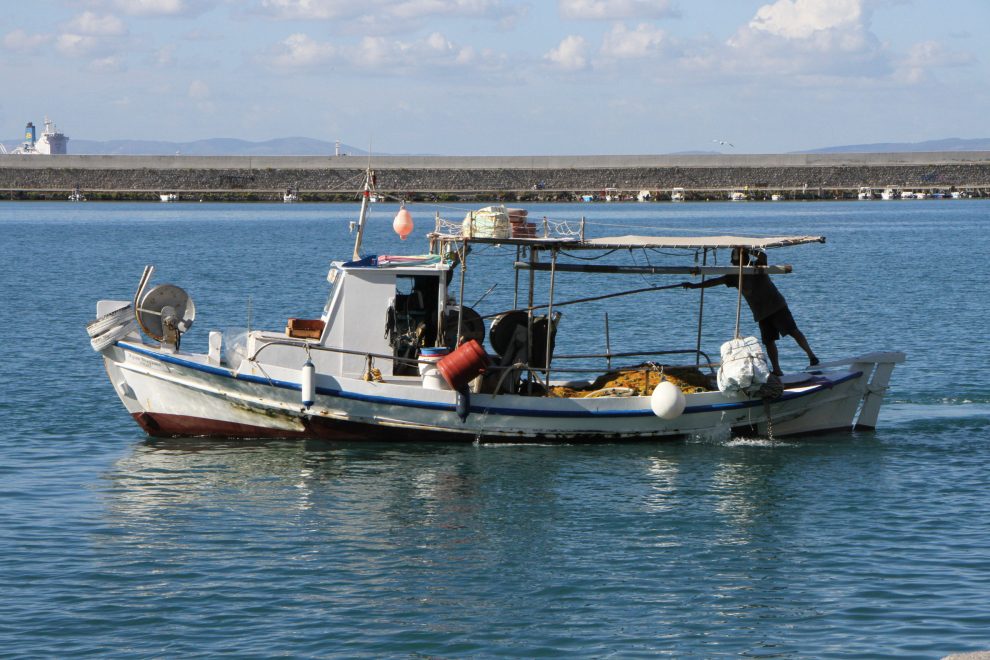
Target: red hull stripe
x=161, y=425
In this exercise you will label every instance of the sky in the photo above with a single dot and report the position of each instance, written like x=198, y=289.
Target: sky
x=502, y=77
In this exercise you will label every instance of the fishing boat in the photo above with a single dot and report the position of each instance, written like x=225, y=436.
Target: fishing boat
x=677, y=195
x=429, y=375
x=168, y=198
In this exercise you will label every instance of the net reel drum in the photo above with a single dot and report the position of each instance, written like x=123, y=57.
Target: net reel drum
x=164, y=312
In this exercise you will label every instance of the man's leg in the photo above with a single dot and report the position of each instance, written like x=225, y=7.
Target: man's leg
x=772, y=354
x=803, y=343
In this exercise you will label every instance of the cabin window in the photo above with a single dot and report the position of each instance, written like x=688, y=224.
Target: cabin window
x=412, y=318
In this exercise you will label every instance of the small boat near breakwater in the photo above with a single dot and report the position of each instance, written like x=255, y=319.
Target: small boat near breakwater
x=429, y=376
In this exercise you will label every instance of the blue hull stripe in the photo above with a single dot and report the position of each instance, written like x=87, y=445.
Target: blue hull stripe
x=516, y=412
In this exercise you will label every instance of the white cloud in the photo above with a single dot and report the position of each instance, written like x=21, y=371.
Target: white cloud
x=76, y=45
x=924, y=58
x=203, y=35
x=385, y=55
x=809, y=37
x=299, y=51
x=623, y=43
x=616, y=9
x=385, y=11
x=19, y=40
x=199, y=90
x=307, y=9
x=162, y=7
x=414, y=9
x=92, y=35
x=801, y=19
x=145, y=7
x=106, y=65
x=201, y=97
x=934, y=54
x=165, y=56
x=92, y=24
x=434, y=53
x=569, y=55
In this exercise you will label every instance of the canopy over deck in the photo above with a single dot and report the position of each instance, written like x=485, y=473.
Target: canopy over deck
x=695, y=242
x=632, y=241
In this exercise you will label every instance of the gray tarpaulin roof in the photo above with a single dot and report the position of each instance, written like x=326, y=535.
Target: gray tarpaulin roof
x=695, y=242
x=623, y=242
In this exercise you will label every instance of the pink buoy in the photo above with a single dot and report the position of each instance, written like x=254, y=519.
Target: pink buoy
x=403, y=223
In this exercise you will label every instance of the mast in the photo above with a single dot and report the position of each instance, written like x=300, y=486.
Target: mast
x=369, y=179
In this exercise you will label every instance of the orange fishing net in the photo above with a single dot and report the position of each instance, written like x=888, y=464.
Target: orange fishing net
x=637, y=381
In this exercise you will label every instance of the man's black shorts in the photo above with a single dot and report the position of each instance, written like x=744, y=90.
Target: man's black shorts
x=777, y=324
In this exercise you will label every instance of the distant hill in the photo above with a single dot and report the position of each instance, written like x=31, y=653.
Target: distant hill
x=301, y=146
x=948, y=144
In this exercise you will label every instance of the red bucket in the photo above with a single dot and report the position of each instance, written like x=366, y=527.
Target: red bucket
x=461, y=366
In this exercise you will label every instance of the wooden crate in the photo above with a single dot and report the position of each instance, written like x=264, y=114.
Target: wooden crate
x=304, y=328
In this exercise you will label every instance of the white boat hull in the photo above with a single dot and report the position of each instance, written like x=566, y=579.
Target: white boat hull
x=176, y=394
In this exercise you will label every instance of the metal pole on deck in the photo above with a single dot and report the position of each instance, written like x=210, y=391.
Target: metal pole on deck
x=608, y=345
x=739, y=286
x=460, y=295
x=701, y=308
x=553, y=273
x=441, y=305
x=529, y=318
x=515, y=285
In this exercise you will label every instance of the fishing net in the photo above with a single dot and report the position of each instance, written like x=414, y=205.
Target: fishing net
x=638, y=381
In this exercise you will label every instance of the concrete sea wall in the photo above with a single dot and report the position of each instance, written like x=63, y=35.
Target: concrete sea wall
x=535, y=177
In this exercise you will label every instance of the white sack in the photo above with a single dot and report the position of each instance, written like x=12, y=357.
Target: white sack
x=743, y=365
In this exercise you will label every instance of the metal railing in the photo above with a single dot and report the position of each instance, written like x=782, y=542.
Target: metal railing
x=539, y=373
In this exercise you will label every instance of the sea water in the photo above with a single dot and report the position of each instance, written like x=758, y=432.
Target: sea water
x=846, y=545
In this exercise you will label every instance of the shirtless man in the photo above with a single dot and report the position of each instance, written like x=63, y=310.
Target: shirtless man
x=769, y=308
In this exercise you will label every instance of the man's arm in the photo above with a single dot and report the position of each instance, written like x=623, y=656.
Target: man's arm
x=704, y=285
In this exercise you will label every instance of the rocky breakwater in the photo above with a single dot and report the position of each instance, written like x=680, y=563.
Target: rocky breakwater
x=539, y=177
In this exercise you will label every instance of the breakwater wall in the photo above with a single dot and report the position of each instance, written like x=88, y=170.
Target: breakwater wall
x=535, y=177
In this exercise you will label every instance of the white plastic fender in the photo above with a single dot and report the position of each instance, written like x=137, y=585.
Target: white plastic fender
x=667, y=400
x=308, y=383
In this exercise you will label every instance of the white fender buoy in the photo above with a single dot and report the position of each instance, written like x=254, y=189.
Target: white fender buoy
x=308, y=383
x=667, y=400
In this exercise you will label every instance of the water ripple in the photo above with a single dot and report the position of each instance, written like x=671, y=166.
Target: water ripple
x=864, y=545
